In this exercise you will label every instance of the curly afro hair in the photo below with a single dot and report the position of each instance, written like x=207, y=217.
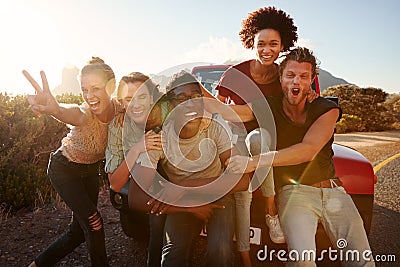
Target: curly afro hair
x=268, y=18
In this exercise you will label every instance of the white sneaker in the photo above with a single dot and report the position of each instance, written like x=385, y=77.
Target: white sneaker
x=275, y=231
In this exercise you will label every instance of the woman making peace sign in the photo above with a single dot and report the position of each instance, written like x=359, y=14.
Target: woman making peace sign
x=74, y=168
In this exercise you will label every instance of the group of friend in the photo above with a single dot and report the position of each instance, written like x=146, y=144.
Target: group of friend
x=193, y=159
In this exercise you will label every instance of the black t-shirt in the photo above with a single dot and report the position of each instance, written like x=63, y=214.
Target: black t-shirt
x=288, y=133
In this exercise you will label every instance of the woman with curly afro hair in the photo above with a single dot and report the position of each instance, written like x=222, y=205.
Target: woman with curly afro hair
x=269, y=32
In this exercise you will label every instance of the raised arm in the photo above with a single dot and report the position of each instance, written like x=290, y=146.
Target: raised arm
x=315, y=139
x=243, y=183
x=43, y=102
x=234, y=113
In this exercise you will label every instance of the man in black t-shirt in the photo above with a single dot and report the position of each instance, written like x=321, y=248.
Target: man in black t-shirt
x=308, y=188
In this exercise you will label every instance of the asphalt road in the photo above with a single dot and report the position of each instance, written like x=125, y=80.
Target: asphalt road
x=385, y=229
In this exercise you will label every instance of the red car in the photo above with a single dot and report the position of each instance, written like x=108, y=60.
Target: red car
x=209, y=75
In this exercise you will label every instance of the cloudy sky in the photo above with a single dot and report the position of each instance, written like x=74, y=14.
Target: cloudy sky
x=354, y=40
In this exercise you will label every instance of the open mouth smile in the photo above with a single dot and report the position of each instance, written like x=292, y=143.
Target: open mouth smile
x=295, y=91
x=94, y=105
x=266, y=57
x=137, y=113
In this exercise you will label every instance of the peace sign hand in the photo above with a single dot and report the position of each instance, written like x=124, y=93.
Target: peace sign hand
x=43, y=102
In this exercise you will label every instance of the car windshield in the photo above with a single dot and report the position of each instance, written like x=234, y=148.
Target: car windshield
x=209, y=77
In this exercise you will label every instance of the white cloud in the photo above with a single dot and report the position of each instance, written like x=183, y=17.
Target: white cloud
x=217, y=50
x=305, y=43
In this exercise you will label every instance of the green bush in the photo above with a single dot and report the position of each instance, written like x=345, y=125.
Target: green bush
x=392, y=105
x=25, y=145
x=350, y=123
x=70, y=98
x=369, y=106
x=26, y=186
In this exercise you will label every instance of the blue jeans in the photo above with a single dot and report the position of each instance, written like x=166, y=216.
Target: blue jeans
x=301, y=207
x=78, y=186
x=182, y=228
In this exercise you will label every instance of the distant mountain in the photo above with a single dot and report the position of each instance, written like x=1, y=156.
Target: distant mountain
x=326, y=80
x=69, y=82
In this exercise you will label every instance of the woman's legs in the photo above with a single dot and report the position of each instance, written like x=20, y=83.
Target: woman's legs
x=78, y=186
x=94, y=231
x=259, y=141
x=242, y=206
